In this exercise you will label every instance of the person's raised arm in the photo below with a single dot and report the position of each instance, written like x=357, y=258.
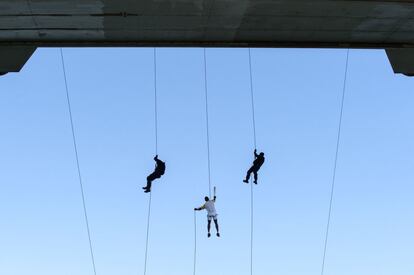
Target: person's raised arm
x=255, y=153
x=214, y=190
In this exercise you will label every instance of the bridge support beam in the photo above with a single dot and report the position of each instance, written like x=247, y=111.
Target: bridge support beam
x=402, y=61
x=13, y=58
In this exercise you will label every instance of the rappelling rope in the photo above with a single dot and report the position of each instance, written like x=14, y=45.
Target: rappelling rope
x=195, y=243
x=208, y=157
x=255, y=146
x=156, y=153
x=155, y=101
x=148, y=229
x=252, y=99
x=335, y=163
x=75, y=147
x=207, y=124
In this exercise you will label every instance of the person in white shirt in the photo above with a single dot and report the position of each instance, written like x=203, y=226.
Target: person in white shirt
x=211, y=214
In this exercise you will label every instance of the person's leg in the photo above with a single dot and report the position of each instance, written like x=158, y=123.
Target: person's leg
x=150, y=178
x=255, y=176
x=208, y=227
x=217, y=227
x=248, y=174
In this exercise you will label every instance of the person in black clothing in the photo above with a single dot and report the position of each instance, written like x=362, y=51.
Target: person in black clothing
x=158, y=172
x=257, y=163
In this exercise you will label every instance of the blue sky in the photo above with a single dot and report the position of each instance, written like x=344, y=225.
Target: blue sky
x=297, y=95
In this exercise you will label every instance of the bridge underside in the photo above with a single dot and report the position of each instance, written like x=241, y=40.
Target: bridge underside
x=206, y=23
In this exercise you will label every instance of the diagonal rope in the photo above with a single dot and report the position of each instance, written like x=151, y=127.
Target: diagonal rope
x=251, y=185
x=335, y=163
x=207, y=124
x=75, y=147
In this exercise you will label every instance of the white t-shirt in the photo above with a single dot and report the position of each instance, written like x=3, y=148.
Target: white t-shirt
x=211, y=209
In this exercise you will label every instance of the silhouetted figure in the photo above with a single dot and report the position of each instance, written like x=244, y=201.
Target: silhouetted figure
x=257, y=163
x=211, y=214
x=158, y=172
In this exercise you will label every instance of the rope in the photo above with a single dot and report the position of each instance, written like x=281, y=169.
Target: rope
x=251, y=185
x=75, y=147
x=156, y=153
x=251, y=227
x=208, y=158
x=195, y=243
x=155, y=101
x=335, y=163
x=148, y=229
x=207, y=124
x=252, y=99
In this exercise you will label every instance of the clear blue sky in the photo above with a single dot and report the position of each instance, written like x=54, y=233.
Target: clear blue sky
x=297, y=102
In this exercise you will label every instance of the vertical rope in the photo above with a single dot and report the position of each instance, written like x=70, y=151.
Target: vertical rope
x=207, y=124
x=338, y=139
x=155, y=101
x=195, y=243
x=75, y=147
x=156, y=153
x=252, y=99
x=251, y=227
x=208, y=159
x=251, y=185
x=148, y=230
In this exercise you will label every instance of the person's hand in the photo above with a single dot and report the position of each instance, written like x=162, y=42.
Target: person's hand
x=195, y=209
x=156, y=157
x=255, y=150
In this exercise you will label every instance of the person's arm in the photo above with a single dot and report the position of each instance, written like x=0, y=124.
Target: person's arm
x=156, y=161
x=200, y=208
x=214, y=198
x=255, y=153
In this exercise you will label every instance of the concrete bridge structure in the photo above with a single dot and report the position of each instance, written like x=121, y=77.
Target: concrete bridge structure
x=28, y=24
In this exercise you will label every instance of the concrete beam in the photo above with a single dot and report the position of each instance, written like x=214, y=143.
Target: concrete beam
x=402, y=61
x=13, y=58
